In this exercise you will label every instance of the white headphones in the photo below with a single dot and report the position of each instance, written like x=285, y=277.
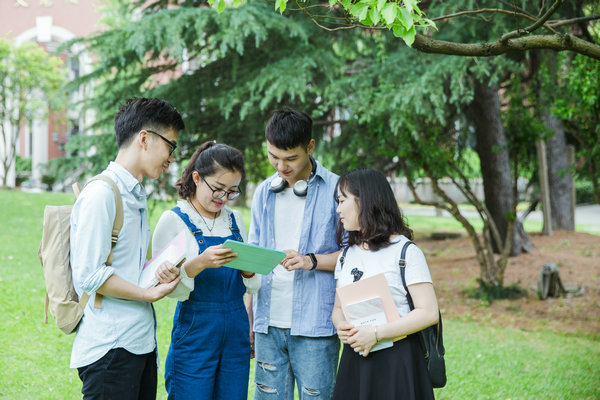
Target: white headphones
x=300, y=188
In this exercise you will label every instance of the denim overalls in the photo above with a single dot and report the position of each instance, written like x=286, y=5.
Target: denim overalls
x=209, y=355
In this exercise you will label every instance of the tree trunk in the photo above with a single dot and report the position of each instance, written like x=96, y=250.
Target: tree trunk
x=495, y=162
x=560, y=179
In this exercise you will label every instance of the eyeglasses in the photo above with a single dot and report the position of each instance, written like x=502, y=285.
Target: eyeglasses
x=171, y=144
x=220, y=193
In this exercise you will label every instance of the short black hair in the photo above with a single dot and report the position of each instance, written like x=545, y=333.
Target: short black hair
x=139, y=113
x=379, y=215
x=288, y=129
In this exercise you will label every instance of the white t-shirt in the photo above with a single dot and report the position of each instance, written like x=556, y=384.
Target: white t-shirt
x=362, y=264
x=170, y=224
x=289, y=214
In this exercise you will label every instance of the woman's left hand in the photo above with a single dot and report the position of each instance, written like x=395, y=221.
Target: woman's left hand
x=294, y=260
x=167, y=272
x=363, y=339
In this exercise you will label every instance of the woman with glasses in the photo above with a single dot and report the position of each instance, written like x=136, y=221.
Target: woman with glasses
x=209, y=355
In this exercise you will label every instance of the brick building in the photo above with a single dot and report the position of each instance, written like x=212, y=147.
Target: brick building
x=50, y=23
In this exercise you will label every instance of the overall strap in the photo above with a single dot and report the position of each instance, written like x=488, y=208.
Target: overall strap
x=402, y=265
x=186, y=219
x=343, y=257
x=233, y=226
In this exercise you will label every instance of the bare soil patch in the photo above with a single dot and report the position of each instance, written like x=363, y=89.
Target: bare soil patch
x=454, y=268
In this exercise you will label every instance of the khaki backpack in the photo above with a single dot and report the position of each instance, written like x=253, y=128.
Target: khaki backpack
x=61, y=298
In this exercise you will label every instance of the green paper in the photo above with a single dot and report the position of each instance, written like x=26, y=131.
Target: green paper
x=253, y=258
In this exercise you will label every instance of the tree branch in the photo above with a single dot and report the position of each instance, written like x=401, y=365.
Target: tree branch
x=535, y=25
x=557, y=42
x=557, y=23
x=492, y=10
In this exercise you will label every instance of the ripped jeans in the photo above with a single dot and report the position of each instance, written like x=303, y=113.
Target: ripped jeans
x=282, y=359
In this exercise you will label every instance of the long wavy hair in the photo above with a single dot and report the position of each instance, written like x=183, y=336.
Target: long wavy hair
x=379, y=216
x=209, y=157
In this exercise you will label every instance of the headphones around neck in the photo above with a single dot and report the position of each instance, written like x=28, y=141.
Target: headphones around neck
x=300, y=188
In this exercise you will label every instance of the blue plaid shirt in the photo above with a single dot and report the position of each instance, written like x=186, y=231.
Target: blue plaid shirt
x=314, y=291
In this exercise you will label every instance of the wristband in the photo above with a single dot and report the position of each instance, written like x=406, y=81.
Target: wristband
x=247, y=276
x=313, y=258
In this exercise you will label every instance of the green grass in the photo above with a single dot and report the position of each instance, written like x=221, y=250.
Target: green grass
x=483, y=362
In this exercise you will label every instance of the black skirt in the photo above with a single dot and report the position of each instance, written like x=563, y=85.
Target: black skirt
x=398, y=372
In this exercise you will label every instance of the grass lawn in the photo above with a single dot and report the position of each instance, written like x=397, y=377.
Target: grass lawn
x=482, y=362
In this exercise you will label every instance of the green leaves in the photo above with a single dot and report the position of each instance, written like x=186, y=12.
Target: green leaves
x=401, y=17
x=389, y=13
x=408, y=35
x=360, y=10
x=281, y=5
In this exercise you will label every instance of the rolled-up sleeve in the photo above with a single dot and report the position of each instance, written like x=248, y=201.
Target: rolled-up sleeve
x=92, y=220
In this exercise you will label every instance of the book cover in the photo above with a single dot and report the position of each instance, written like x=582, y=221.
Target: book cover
x=375, y=286
x=369, y=312
x=174, y=252
x=253, y=258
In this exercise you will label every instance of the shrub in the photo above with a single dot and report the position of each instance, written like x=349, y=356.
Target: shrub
x=584, y=192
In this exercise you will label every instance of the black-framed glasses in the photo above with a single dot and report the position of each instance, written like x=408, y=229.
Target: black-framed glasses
x=172, y=144
x=220, y=193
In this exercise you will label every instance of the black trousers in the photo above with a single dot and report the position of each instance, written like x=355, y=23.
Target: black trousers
x=120, y=375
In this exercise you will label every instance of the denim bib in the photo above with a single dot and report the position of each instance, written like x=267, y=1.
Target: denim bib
x=215, y=285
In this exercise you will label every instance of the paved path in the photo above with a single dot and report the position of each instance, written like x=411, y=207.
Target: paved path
x=586, y=215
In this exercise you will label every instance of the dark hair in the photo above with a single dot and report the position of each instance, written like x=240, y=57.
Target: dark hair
x=379, y=216
x=288, y=129
x=139, y=113
x=207, y=160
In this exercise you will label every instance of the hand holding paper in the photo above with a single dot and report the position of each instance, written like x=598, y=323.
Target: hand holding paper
x=294, y=260
x=212, y=257
x=217, y=256
x=167, y=272
x=173, y=252
x=363, y=340
x=368, y=303
x=253, y=258
x=344, y=330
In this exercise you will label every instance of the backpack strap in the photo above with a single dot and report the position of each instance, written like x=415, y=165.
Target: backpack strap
x=117, y=225
x=402, y=265
x=342, y=258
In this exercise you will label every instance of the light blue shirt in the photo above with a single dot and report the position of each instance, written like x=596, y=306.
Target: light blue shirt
x=314, y=291
x=119, y=323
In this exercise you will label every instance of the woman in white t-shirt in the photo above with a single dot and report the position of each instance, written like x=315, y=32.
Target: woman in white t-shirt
x=372, y=225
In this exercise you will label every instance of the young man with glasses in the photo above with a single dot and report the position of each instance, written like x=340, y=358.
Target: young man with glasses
x=115, y=345
x=294, y=211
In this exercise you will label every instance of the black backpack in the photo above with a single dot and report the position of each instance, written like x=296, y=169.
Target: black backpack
x=432, y=342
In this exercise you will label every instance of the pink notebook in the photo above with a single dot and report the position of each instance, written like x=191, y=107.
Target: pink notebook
x=369, y=288
x=174, y=252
